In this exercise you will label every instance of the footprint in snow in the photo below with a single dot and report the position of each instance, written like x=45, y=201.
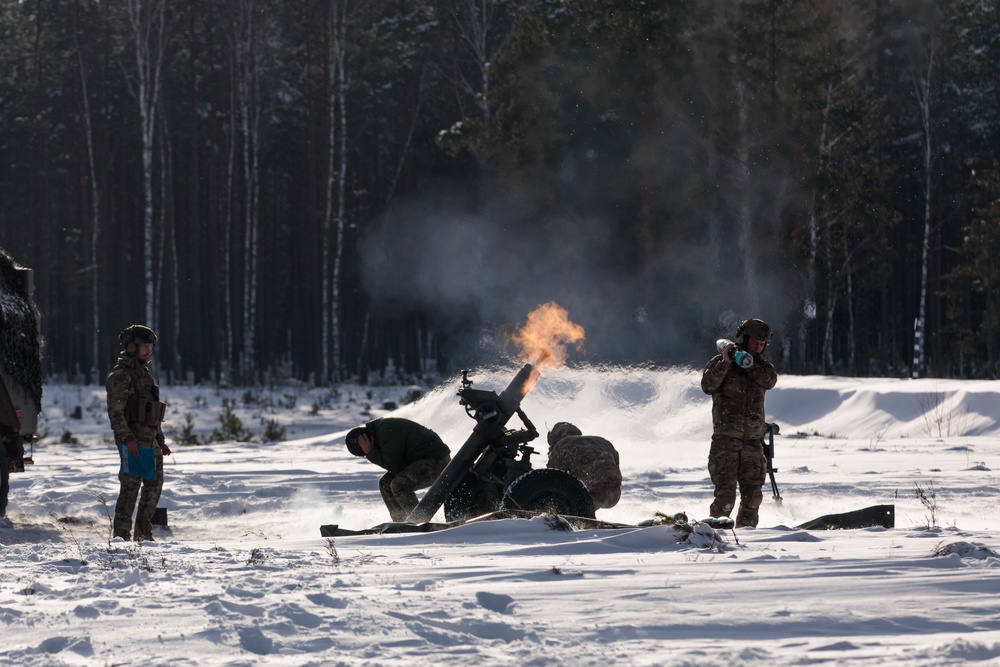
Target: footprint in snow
x=495, y=602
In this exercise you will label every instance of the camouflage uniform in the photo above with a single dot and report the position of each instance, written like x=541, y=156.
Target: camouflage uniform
x=131, y=385
x=736, y=456
x=414, y=456
x=590, y=458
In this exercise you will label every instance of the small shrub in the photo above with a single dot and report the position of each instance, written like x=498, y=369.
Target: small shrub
x=929, y=500
x=273, y=431
x=412, y=396
x=257, y=557
x=939, y=420
x=130, y=556
x=231, y=427
x=331, y=548
x=326, y=400
x=187, y=436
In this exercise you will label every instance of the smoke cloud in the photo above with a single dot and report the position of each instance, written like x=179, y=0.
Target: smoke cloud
x=662, y=300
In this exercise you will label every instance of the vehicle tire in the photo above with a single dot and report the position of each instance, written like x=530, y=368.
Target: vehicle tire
x=471, y=498
x=549, y=490
x=4, y=478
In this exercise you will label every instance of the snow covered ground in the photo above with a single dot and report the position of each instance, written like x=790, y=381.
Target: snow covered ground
x=243, y=577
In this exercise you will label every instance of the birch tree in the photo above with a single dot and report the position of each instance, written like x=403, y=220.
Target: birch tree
x=148, y=22
x=248, y=29
x=482, y=30
x=922, y=93
x=333, y=217
x=95, y=200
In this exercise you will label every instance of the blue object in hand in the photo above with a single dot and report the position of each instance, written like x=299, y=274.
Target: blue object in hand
x=742, y=358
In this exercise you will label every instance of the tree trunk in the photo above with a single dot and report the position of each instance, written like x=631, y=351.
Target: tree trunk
x=831, y=302
x=95, y=206
x=149, y=27
x=745, y=214
x=247, y=85
x=922, y=89
x=849, y=302
x=334, y=224
x=810, y=297
x=338, y=247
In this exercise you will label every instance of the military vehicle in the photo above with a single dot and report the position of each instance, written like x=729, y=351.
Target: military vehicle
x=20, y=370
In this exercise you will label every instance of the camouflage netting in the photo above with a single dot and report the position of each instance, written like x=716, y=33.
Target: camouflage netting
x=590, y=458
x=20, y=341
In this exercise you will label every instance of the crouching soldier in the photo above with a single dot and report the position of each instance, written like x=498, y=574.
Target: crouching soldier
x=136, y=412
x=590, y=458
x=413, y=455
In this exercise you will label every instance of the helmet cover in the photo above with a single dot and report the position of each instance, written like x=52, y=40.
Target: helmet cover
x=136, y=333
x=754, y=328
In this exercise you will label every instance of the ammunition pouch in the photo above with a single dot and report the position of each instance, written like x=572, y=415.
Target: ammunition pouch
x=145, y=413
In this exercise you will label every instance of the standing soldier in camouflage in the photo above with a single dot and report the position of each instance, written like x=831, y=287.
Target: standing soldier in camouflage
x=413, y=455
x=136, y=412
x=736, y=456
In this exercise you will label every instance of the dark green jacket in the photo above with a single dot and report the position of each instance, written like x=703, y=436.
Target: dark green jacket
x=738, y=396
x=399, y=442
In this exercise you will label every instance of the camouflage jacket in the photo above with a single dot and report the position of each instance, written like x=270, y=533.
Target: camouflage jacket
x=399, y=442
x=130, y=383
x=738, y=396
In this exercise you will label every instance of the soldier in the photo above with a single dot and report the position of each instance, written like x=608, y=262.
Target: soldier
x=590, y=458
x=136, y=412
x=413, y=455
x=736, y=456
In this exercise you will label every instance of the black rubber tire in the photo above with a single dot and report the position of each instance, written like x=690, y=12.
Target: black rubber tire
x=549, y=490
x=471, y=498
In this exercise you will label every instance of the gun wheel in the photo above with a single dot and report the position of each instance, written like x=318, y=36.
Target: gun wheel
x=471, y=498
x=549, y=490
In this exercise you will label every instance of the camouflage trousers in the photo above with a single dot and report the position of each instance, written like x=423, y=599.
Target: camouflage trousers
x=398, y=489
x=129, y=492
x=735, y=462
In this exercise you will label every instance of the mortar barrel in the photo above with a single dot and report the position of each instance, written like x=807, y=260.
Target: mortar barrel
x=465, y=458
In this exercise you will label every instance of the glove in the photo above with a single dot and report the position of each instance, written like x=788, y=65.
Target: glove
x=132, y=446
x=164, y=449
x=728, y=353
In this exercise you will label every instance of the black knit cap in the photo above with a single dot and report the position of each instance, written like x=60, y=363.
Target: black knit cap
x=352, y=440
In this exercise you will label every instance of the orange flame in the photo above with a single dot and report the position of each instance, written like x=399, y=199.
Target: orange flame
x=544, y=338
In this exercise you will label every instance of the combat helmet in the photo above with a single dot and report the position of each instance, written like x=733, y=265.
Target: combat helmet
x=562, y=430
x=753, y=328
x=131, y=336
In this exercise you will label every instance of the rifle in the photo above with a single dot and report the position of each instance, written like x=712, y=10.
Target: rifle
x=770, y=430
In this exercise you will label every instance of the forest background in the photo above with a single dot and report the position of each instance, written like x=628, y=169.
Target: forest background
x=331, y=189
